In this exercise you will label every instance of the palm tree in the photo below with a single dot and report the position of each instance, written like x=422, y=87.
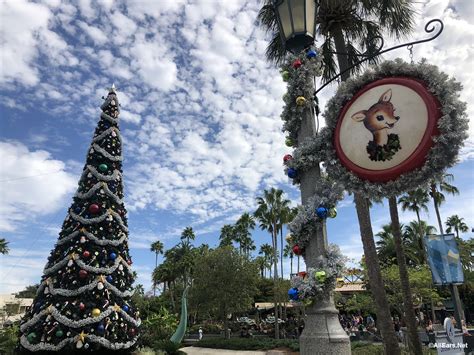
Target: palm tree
x=188, y=234
x=414, y=232
x=262, y=264
x=456, y=223
x=267, y=251
x=342, y=22
x=269, y=214
x=157, y=248
x=4, y=249
x=288, y=253
x=286, y=216
x=386, y=246
x=227, y=235
x=436, y=192
x=243, y=226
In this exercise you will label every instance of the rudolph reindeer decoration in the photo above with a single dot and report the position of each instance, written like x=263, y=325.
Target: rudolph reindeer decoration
x=378, y=119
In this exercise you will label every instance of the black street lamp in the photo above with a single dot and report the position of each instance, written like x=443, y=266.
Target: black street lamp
x=296, y=22
x=323, y=333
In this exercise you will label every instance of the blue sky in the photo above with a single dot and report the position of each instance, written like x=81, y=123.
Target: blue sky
x=200, y=119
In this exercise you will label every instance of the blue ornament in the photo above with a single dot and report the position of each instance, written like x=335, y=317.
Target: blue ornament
x=125, y=308
x=77, y=209
x=293, y=294
x=311, y=53
x=322, y=212
x=112, y=256
x=100, y=328
x=109, y=278
x=291, y=173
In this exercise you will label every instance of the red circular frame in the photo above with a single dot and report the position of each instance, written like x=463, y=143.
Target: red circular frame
x=418, y=157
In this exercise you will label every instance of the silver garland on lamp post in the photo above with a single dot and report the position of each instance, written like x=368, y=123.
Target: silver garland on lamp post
x=323, y=333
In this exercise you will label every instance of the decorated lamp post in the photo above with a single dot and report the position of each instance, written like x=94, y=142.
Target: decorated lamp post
x=323, y=333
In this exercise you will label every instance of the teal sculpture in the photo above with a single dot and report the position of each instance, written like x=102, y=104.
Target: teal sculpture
x=178, y=335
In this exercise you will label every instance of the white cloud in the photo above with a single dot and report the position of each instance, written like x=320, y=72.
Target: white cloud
x=33, y=183
x=95, y=33
x=19, y=22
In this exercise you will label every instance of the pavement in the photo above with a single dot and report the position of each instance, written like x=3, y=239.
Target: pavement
x=206, y=351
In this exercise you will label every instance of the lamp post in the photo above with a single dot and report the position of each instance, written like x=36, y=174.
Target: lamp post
x=323, y=333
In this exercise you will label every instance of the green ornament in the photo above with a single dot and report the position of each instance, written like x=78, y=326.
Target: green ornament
x=103, y=167
x=31, y=337
x=320, y=276
x=332, y=213
x=59, y=333
x=289, y=142
x=285, y=75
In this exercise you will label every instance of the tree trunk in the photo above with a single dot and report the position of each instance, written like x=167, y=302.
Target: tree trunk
x=291, y=266
x=275, y=279
x=390, y=341
x=298, y=268
x=415, y=343
x=281, y=252
x=384, y=321
x=438, y=216
x=154, y=283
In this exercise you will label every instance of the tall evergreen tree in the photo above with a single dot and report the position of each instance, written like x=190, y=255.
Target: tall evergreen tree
x=84, y=299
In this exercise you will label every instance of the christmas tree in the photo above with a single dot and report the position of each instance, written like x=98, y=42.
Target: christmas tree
x=83, y=302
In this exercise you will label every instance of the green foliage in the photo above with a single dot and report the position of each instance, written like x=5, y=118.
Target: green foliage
x=420, y=284
x=4, y=249
x=158, y=326
x=360, y=302
x=224, y=282
x=363, y=348
x=248, y=343
x=8, y=339
x=168, y=347
x=28, y=292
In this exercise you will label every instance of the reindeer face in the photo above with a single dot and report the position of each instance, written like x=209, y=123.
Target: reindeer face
x=380, y=115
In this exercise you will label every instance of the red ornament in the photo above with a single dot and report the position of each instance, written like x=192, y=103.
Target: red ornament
x=82, y=306
x=302, y=274
x=83, y=274
x=94, y=208
x=86, y=254
x=129, y=261
x=297, y=250
x=287, y=157
x=297, y=63
x=132, y=332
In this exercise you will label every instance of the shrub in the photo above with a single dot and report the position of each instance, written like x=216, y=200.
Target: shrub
x=8, y=339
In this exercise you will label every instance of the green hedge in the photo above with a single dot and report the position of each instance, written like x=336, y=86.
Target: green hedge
x=248, y=343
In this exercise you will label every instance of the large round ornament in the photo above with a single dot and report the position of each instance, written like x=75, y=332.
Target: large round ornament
x=300, y=100
x=289, y=142
x=297, y=63
x=320, y=276
x=311, y=53
x=82, y=306
x=285, y=75
x=112, y=256
x=86, y=253
x=332, y=212
x=100, y=328
x=59, y=333
x=297, y=250
x=126, y=308
x=103, y=167
x=31, y=337
x=322, y=212
x=94, y=208
x=287, y=158
x=109, y=279
x=95, y=312
x=302, y=274
x=293, y=294
x=292, y=173
x=83, y=274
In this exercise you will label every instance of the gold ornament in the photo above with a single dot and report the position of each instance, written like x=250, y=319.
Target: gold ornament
x=95, y=312
x=300, y=100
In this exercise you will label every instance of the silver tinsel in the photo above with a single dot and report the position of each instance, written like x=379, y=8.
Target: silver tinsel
x=88, y=221
x=90, y=236
x=106, y=154
x=97, y=186
x=91, y=169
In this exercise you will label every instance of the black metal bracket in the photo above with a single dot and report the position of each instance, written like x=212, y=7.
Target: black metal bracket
x=429, y=28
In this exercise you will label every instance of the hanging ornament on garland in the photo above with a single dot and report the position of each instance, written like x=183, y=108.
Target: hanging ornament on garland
x=287, y=158
x=297, y=250
x=332, y=212
x=94, y=208
x=311, y=53
x=285, y=75
x=292, y=173
x=293, y=294
x=322, y=212
x=300, y=100
x=83, y=274
x=297, y=63
x=320, y=276
x=95, y=312
x=289, y=142
x=289, y=237
x=103, y=167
